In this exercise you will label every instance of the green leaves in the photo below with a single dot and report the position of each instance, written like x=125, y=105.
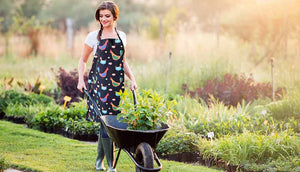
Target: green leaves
x=151, y=109
x=178, y=142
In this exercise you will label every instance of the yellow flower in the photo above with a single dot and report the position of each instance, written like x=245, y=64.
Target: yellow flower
x=66, y=99
x=42, y=87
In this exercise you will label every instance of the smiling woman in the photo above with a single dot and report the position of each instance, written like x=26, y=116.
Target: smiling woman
x=108, y=71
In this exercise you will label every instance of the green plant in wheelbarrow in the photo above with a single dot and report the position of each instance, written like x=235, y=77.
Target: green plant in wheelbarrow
x=148, y=113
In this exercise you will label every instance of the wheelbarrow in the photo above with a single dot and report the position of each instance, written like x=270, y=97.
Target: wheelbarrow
x=138, y=144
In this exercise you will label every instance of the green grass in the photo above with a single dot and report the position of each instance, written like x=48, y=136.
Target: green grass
x=28, y=149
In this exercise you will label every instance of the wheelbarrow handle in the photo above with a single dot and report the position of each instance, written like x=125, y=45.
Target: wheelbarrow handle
x=95, y=106
x=134, y=98
x=93, y=101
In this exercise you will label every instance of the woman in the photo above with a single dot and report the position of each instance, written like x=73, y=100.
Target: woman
x=106, y=76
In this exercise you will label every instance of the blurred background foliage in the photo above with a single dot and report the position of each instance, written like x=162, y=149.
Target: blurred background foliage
x=239, y=36
x=248, y=20
x=259, y=21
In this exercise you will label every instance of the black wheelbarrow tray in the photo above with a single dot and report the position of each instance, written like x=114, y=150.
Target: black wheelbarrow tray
x=138, y=144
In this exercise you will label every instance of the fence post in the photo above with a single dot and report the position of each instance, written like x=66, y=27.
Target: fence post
x=168, y=72
x=160, y=35
x=70, y=34
x=272, y=78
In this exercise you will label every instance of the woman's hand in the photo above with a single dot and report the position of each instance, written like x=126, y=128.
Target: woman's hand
x=133, y=85
x=81, y=85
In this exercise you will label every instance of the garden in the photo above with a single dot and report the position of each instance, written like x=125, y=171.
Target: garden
x=231, y=96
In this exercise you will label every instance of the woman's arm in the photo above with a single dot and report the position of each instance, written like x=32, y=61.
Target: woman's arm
x=129, y=74
x=81, y=66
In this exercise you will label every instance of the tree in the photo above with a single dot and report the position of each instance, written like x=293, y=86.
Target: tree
x=6, y=12
x=31, y=8
x=20, y=18
x=82, y=12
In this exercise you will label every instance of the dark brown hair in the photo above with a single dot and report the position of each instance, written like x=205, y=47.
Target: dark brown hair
x=106, y=5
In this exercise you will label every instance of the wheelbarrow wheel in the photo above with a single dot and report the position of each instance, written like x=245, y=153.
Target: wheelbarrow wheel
x=144, y=156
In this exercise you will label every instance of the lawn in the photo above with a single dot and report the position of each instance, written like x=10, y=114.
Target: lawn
x=32, y=150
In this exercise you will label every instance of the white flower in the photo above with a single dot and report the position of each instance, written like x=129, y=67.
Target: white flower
x=263, y=112
x=210, y=135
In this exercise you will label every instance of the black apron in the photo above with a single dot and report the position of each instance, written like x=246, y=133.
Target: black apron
x=106, y=77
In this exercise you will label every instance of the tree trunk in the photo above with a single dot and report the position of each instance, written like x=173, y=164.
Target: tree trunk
x=33, y=35
x=6, y=44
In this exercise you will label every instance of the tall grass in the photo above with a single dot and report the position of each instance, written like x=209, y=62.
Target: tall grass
x=252, y=148
x=154, y=75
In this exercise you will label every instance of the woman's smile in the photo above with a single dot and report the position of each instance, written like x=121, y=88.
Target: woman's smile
x=106, y=18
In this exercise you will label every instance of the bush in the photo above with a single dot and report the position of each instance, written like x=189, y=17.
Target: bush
x=48, y=120
x=176, y=141
x=71, y=120
x=14, y=97
x=67, y=82
x=24, y=113
x=233, y=89
x=81, y=127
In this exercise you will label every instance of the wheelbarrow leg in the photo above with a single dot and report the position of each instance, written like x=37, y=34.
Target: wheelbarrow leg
x=119, y=151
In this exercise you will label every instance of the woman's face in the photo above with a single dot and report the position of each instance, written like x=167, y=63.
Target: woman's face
x=106, y=18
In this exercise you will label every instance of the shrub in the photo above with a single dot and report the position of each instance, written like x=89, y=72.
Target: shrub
x=14, y=97
x=26, y=112
x=48, y=120
x=82, y=127
x=67, y=82
x=41, y=98
x=176, y=141
x=233, y=89
x=71, y=120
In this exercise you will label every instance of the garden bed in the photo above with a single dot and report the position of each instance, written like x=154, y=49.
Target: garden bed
x=17, y=120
